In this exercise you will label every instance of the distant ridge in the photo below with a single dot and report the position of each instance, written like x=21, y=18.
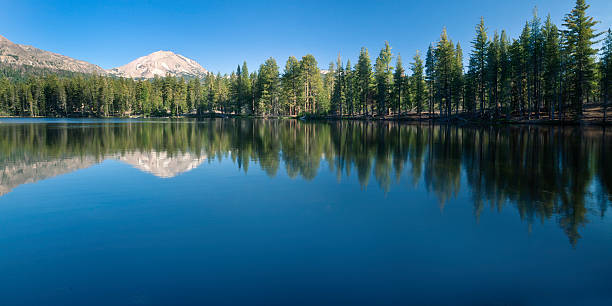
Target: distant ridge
x=16, y=55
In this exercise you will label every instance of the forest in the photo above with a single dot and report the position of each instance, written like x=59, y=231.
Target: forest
x=547, y=72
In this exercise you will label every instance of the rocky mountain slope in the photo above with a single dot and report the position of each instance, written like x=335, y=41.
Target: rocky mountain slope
x=160, y=164
x=15, y=55
x=160, y=63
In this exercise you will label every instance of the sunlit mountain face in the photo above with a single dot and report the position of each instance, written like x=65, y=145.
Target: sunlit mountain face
x=16, y=55
x=544, y=173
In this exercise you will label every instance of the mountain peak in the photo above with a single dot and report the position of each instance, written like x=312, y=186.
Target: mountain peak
x=160, y=63
x=162, y=52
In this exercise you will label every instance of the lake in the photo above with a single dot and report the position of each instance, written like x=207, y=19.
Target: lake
x=276, y=212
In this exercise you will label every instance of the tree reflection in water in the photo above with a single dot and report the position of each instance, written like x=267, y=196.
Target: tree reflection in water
x=556, y=173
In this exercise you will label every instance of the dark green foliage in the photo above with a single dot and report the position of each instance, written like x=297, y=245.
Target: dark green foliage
x=418, y=85
x=546, y=71
x=580, y=35
x=383, y=74
x=478, y=59
x=400, y=94
x=363, y=81
x=338, y=97
x=606, y=72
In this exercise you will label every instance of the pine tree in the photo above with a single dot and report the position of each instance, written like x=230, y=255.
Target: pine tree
x=399, y=86
x=384, y=76
x=338, y=95
x=363, y=80
x=606, y=72
x=349, y=85
x=493, y=72
x=325, y=94
x=525, y=62
x=551, y=66
x=430, y=63
x=245, y=94
x=418, y=83
x=311, y=82
x=237, y=90
x=536, y=49
x=478, y=56
x=444, y=71
x=505, y=77
x=267, y=96
x=221, y=98
x=290, y=84
x=458, y=78
x=580, y=35
x=211, y=97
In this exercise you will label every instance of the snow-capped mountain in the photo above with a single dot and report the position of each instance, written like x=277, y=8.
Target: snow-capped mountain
x=160, y=63
x=16, y=55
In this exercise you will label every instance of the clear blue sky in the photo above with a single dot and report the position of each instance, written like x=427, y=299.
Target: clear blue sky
x=221, y=34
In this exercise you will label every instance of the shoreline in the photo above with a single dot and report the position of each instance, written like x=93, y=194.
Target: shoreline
x=593, y=115
x=458, y=120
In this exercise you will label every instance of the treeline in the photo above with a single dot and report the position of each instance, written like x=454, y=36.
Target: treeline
x=561, y=174
x=548, y=71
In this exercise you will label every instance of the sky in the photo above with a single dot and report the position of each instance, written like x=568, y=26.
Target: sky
x=222, y=34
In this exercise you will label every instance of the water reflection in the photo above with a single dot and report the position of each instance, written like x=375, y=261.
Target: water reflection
x=556, y=173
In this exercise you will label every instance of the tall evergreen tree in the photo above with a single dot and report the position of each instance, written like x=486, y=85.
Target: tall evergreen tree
x=444, y=71
x=580, y=34
x=418, y=84
x=505, y=76
x=325, y=95
x=606, y=72
x=339, y=91
x=399, y=86
x=525, y=70
x=493, y=72
x=478, y=57
x=237, y=90
x=291, y=85
x=383, y=76
x=311, y=82
x=245, y=94
x=267, y=94
x=536, y=50
x=363, y=80
x=551, y=66
x=430, y=63
x=350, y=87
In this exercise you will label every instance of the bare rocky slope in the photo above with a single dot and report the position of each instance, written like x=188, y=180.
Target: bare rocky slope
x=12, y=54
x=160, y=63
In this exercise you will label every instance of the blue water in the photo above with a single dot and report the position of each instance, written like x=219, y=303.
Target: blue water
x=284, y=212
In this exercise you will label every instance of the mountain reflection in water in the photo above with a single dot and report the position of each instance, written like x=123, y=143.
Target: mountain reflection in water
x=557, y=173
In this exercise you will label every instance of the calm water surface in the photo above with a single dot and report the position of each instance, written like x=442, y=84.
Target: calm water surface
x=271, y=212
